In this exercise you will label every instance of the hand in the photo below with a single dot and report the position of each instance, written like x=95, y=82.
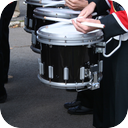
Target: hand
x=88, y=10
x=77, y=5
x=82, y=28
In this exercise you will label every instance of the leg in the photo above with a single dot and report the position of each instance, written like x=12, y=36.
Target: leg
x=6, y=17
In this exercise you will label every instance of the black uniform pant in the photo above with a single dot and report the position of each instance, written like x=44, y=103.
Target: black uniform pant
x=86, y=98
x=111, y=100
x=4, y=42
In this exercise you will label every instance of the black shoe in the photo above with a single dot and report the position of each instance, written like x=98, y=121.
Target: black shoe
x=3, y=95
x=80, y=110
x=71, y=104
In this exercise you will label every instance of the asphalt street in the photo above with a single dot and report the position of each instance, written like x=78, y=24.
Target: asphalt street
x=30, y=103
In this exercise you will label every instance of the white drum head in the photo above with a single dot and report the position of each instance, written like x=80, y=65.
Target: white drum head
x=59, y=29
x=57, y=10
x=67, y=35
x=41, y=2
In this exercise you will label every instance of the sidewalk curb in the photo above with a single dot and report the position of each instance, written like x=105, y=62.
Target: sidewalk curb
x=15, y=24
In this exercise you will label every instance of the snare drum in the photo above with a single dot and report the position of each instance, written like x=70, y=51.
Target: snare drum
x=69, y=59
x=29, y=19
x=39, y=14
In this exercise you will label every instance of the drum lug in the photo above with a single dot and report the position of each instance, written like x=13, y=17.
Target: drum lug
x=33, y=38
x=82, y=73
x=25, y=21
x=50, y=70
x=41, y=68
x=30, y=23
x=66, y=73
x=101, y=66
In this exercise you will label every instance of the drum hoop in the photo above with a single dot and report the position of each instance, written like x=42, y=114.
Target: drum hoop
x=72, y=40
x=34, y=3
x=37, y=3
x=69, y=43
x=63, y=85
x=41, y=14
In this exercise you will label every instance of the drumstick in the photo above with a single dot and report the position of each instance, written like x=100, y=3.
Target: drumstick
x=69, y=21
x=55, y=3
x=93, y=24
x=57, y=19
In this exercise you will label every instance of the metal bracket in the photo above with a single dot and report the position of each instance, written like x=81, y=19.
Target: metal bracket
x=104, y=50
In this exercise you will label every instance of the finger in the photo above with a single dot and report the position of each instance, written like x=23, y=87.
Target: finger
x=80, y=19
x=77, y=27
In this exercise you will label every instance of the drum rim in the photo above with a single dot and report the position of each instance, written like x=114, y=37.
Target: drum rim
x=35, y=2
x=41, y=14
x=73, y=40
x=63, y=85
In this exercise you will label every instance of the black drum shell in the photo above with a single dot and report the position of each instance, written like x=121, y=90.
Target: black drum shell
x=72, y=57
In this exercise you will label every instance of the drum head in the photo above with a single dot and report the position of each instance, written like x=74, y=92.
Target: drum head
x=40, y=2
x=56, y=12
x=66, y=34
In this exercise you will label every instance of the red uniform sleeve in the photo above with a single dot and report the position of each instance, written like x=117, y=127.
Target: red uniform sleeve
x=122, y=18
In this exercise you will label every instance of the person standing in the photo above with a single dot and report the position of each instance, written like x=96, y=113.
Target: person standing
x=111, y=100
x=83, y=104
x=4, y=48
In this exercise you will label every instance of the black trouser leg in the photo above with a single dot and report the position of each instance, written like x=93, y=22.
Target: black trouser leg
x=6, y=17
x=86, y=98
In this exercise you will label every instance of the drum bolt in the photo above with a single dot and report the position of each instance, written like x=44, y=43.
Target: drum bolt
x=96, y=85
x=50, y=46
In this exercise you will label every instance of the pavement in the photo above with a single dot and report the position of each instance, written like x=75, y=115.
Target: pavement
x=30, y=103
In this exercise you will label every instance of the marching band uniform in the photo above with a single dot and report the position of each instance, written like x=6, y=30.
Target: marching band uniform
x=111, y=100
x=4, y=47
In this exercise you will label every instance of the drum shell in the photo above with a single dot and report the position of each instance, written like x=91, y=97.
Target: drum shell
x=35, y=46
x=71, y=57
x=29, y=19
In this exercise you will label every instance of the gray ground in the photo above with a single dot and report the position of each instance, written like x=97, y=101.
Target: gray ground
x=31, y=104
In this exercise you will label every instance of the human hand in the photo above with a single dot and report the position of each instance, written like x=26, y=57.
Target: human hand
x=83, y=28
x=88, y=10
x=76, y=5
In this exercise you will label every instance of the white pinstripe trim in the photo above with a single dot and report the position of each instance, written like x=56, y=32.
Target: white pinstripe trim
x=108, y=3
x=119, y=22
